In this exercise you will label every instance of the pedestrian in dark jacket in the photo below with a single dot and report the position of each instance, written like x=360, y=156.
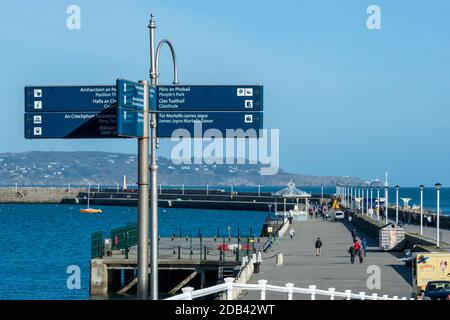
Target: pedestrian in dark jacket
x=318, y=246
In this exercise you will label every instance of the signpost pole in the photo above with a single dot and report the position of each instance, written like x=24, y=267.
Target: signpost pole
x=154, y=60
x=153, y=175
x=142, y=290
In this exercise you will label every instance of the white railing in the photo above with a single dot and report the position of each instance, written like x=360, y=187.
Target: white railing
x=189, y=293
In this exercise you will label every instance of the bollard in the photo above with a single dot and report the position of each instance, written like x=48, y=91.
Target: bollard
x=385, y=297
x=375, y=296
x=229, y=281
x=289, y=287
x=204, y=252
x=348, y=293
x=331, y=290
x=395, y=297
x=188, y=290
x=363, y=295
x=179, y=252
x=263, y=284
x=313, y=291
x=279, y=261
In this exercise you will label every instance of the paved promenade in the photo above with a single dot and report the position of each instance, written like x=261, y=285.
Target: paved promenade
x=333, y=267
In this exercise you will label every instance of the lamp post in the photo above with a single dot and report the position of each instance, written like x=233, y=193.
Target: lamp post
x=378, y=203
x=371, y=201
x=438, y=194
x=396, y=204
x=351, y=198
x=386, y=202
x=367, y=200
x=362, y=200
x=421, y=208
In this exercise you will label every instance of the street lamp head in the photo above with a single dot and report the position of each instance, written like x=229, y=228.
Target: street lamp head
x=421, y=187
x=438, y=186
x=397, y=187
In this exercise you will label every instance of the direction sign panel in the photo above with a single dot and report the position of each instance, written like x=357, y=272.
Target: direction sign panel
x=130, y=123
x=89, y=124
x=209, y=98
x=168, y=122
x=130, y=94
x=69, y=98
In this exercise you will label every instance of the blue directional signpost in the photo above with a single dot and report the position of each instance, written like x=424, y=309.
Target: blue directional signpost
x=77, y=112
x=220, y=107
x=209, y=98
x=120, y=111
x=223, y=123
x=89, y=124
x=69, y=98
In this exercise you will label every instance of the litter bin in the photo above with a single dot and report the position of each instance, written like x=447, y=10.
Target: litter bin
x=256, y=266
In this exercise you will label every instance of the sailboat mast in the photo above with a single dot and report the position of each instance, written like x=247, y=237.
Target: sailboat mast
x=89, y=195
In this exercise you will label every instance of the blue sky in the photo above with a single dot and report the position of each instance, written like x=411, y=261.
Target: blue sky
x=347, y=100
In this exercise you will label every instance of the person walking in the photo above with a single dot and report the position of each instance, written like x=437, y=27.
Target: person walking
x=291, y=233
x=354, y=235
x=364, y=245
x=318, y=246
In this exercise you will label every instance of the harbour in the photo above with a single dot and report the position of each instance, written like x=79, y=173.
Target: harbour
x=219, y=158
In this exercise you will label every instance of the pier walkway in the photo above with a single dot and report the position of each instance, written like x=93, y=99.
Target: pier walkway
x=333, y=268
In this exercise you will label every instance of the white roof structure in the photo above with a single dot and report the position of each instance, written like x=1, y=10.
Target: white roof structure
x=292, y=192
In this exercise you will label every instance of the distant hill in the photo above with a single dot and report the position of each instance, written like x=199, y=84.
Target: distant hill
x=38, y=168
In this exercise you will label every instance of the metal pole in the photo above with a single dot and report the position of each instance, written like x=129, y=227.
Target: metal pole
x=153, y=175
x=438, y=191
x=386, y=202
x=421, y=208
x=396, y=204
x=142, y=289
x=378, y=203
x=154, y=74
x=371, y=199
x=367, y=200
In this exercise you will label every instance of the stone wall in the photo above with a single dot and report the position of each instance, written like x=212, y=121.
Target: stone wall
x=37, y=195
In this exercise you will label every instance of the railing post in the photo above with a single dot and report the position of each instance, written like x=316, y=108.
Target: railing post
x=263, y=284
x=375, y=296
x=313, y=291
x=331, y=290
x=289, y=287
x=229, y=281
x=348, y=293
x=385, y=297
x=188, y=290
x=363, y=295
